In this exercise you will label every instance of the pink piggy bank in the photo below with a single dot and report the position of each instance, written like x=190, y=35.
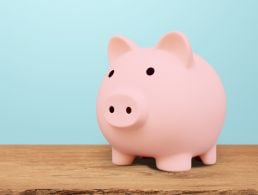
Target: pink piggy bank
x=164, y=102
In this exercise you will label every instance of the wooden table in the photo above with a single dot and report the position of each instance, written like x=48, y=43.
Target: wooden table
x=87, y=169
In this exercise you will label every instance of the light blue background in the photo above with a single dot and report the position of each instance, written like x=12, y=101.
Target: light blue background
x=53, y=57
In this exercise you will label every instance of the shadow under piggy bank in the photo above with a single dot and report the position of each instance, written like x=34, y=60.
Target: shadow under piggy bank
x=151, y=163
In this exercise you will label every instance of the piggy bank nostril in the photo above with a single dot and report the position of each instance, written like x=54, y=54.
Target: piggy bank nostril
x=128, y=110
x=111, y=109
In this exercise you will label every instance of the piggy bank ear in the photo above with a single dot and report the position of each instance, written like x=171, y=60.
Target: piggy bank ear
x=177, y=44
x=118, y=46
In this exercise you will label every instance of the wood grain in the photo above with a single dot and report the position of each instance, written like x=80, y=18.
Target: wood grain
x=87, y=169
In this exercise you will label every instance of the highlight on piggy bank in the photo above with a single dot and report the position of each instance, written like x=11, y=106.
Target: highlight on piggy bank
x=164, y=102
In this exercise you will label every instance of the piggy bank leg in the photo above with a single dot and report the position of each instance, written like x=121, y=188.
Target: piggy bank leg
x=210, y=156
x=175, y=163
x=119, y=158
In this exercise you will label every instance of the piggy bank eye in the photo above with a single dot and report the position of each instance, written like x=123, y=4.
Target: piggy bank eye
x=110, y=74
x=150, y=71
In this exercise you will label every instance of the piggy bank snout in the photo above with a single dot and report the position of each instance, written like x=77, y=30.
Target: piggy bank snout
x=124, y=110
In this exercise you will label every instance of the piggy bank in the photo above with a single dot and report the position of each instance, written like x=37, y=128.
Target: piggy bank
x=164, y=102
